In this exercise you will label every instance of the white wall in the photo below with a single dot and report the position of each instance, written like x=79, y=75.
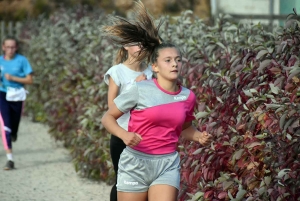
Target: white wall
x=248, y=7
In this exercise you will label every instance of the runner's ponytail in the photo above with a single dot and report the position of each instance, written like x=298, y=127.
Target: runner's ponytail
x=139, y=30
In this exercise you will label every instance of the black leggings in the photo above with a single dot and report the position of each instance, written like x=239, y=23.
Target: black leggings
x=116, y=148
x=10, y=112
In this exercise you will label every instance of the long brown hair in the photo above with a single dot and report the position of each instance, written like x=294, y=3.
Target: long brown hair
x=140, y=29
x=121, y=55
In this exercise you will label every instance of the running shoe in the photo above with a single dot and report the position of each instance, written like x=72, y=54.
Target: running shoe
x=9, y=165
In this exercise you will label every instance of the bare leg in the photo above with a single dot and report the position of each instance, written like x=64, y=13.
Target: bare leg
x=162, y=193
x=125, y=196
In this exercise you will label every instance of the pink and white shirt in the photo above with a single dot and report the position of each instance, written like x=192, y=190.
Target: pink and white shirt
x=122, y=75
x=156, y=114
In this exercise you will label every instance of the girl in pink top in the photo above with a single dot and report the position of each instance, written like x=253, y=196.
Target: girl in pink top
x=160, y=111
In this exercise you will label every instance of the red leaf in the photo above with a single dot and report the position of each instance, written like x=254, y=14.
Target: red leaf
x=288, y=86
x=242, y=163
x=268, y=123
x=208, y=194
x=197, y=177
x=275, y=70
x=205, y=173
x=191, y=176
x=222, y=195
x=185, y=175
x=211, y=175
x=221, y=161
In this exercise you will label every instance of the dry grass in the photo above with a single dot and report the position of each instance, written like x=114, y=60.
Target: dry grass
x=14, y=5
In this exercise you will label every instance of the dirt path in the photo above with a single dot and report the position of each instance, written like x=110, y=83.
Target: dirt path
x=44, y=171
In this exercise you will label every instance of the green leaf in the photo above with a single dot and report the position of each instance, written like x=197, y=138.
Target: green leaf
x=240, y=100
x=267, y=180
x=233, y=58
x=227, y=184
x=221, y=45
x=261, y=53
x=240, y=194
x=238, y=154
x=283, y=172
x=288, y=123
x=195, y=162
x=274, y=89
x=198, y=151
x=219, y=99
x=245, y=107
x=272, y=106
x=88, y=151
x=289, y=137
x=248, y=93
x=296, y=123
x=230, y=196
x=197, y=196
x=282, y=120
x=263, y=65
x=262, y=190
x=201, y=115
x=293, y=74
x=253, y=144
x=261, y=136
x=232, y=27
x=232, y=129
x=253, y=91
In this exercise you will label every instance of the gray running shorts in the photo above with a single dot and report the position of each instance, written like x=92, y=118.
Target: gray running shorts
x=138, y=171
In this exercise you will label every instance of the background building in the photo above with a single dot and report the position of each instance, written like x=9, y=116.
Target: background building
x=265, y=11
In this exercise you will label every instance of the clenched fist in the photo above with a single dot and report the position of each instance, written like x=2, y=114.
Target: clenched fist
x=132, y=139
x=8, y=77
x=141, y=77
x=205, y=138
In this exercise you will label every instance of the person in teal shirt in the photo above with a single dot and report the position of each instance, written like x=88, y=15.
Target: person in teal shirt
x=15, y=73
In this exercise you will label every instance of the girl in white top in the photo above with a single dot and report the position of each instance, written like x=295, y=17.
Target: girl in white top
x=127, y=71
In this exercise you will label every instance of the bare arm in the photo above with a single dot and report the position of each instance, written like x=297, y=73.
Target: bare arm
x=189, y=132
x=24, y=80
x=109, y=121
x=113, y=90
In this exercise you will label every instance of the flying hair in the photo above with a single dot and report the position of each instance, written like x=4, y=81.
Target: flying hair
x=139, y=30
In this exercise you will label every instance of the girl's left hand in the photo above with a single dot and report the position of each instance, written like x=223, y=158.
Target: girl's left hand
x=8, y=77
x=205, y=138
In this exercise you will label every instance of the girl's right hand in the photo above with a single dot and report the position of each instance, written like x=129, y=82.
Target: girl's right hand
x=132, y=139
x=141, y=77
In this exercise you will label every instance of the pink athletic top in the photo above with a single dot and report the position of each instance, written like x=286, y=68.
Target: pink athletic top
x=156, y=114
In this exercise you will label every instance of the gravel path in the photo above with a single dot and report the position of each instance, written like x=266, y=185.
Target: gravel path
x=44, y=171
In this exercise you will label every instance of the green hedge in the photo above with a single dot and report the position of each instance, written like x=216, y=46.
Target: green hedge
x=247, y=84
x=69, y=58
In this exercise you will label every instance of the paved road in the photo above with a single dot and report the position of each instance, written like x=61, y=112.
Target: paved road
x=44, y=171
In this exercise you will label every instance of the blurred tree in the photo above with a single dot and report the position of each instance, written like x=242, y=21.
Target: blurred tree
x=200, y=7
x=41, y=7
x=172, y=7
x=16, y=10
